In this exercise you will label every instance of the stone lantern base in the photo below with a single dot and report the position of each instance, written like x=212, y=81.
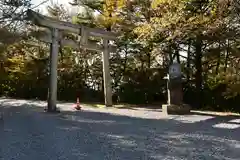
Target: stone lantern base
x=181, y=109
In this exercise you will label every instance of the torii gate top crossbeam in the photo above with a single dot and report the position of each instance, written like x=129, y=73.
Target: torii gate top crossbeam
x=48, y=22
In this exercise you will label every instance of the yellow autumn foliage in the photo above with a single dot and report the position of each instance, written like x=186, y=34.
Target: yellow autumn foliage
x=111, y=10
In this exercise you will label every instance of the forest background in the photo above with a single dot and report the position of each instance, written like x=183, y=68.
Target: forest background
x=203, y=34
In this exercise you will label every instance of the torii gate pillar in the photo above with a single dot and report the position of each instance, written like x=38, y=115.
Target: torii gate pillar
x=52, y=96
x=106, y=75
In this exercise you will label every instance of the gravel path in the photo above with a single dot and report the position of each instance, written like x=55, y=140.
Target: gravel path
x=114, y=134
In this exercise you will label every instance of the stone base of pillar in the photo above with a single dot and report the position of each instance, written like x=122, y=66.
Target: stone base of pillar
x=56, y=110
x=182, y=109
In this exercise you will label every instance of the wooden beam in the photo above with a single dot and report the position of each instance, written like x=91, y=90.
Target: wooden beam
x=89, y=46
x=49, y=22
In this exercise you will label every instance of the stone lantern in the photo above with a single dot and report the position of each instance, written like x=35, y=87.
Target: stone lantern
x=175, y=93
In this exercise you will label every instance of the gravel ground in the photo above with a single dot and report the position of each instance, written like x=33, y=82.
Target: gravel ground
x=113, y=134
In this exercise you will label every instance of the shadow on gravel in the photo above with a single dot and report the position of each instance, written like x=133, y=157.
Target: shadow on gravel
x=103, y=136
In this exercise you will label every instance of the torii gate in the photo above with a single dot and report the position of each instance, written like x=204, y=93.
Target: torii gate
x=55, y=38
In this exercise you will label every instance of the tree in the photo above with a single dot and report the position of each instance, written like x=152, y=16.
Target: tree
x=11, y=17
x=12, y=10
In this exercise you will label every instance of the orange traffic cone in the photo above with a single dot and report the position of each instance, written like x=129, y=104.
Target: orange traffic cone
x=77, y=106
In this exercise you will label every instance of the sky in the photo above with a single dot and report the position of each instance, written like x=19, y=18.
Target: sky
x=42, y=8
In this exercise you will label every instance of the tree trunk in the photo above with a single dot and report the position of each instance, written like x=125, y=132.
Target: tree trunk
x=177, y=54
x=170, y=55
x=226, y=58
x=188, y=61
x=149, y=60
x=219, y=58
x=198, y=75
